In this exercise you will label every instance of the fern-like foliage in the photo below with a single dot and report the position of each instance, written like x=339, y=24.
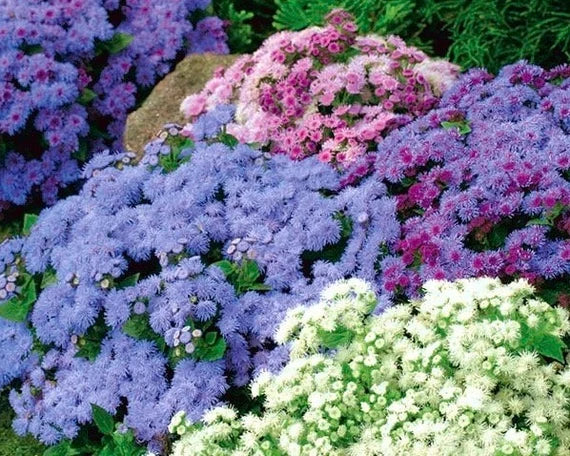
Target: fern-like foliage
x=249, y=22
x=488, y=33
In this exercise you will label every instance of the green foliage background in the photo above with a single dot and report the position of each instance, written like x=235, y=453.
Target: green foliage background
x=472, y=33
x=249, y=22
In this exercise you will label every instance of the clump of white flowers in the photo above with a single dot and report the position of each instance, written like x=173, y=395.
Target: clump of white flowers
x=473, y=368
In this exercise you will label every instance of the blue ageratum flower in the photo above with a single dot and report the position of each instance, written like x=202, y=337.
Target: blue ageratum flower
x=165, y=281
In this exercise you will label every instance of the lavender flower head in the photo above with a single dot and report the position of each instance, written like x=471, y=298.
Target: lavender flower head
x=69, y=74
x=482, y=183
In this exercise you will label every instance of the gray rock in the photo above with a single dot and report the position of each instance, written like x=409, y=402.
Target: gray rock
x=163, y=104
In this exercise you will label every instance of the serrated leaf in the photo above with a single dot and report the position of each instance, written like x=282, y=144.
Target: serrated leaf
x=86, y=97
x=89, y=351
x=336, y=338
x=211, y=352
x=128, y=282
x=29, y=221
x=138, y=327
x=119, y=42
x=103, y=419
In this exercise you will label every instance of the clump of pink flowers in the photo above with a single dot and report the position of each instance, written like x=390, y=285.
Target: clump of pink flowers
x=324, y=91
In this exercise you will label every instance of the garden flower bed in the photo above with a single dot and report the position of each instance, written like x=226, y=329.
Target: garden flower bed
x=349, y=247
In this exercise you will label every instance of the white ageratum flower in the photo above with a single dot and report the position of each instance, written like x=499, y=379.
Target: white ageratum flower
x=447, y=375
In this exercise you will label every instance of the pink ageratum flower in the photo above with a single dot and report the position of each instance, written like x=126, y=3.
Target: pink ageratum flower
x=325, y=91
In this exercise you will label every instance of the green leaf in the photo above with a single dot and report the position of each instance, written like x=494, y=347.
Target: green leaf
x=61, y=449
x=18, y=308
x=497, y=235
x=461, y=125
x=82, y=152
x=228, y=140
x=119, y=42
x=29, y=221
x=543, y=343
x=33, y=49
x=539, y=221
x=128, y=282
x=96, y=132
x=103, y=419
x=249, y=272
x=336, y=338
x=125, y=445
x=345, y=224
x=226, y=266
x=28, y=291
x=90, y=342
x=551, y=347
x=86, y=97
x=210, y=337
x=107, y=450
x=330, y=252
x=211, y=352
x=556, y=211
x=259, y=287
x=48, y=278
x=138, y=327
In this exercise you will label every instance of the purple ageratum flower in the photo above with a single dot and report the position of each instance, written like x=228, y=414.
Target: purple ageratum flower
x=46, y=50
x=482, y=182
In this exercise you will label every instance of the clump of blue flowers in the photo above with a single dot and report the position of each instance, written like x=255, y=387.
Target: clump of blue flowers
x=161, y=284
x=71, y=71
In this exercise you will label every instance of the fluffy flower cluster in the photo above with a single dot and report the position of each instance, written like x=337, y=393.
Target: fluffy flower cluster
x=324, y=91
x=463, y=371
x=130, y=281
x=482, y=182
x=183, y=265
x=70, y=72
